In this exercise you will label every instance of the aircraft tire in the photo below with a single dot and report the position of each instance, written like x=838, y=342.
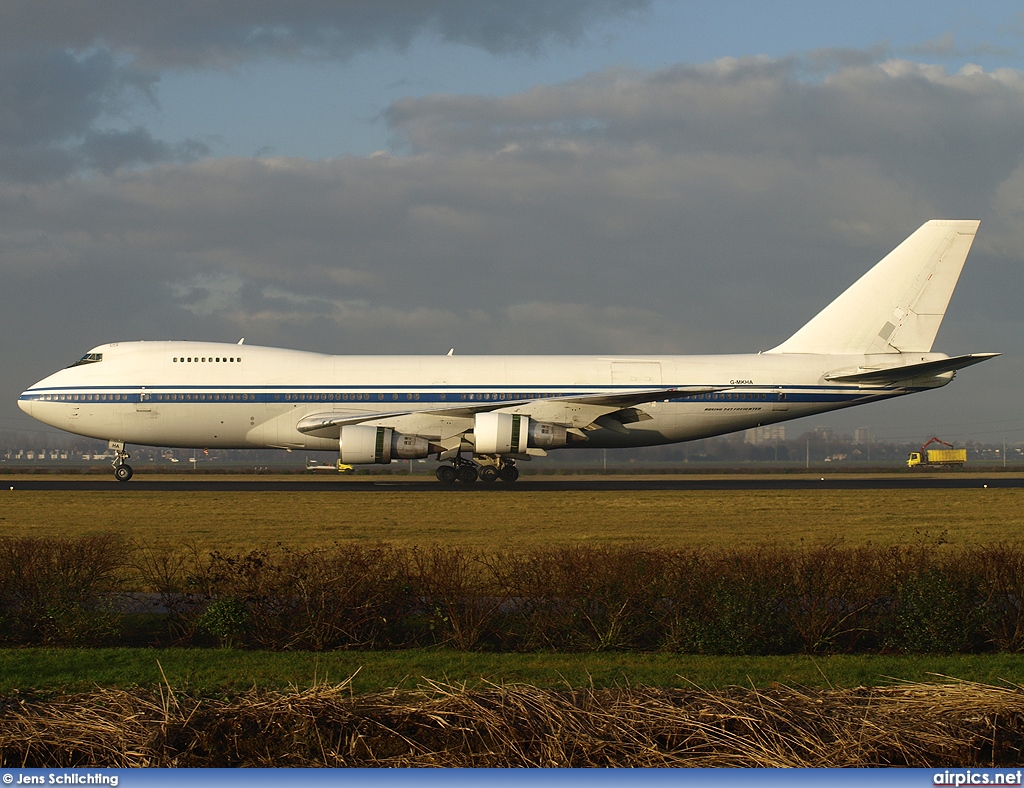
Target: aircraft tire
x=509, y=473
x=489, y=474
x=123, y=473
x=445, y=474
x=466, y=474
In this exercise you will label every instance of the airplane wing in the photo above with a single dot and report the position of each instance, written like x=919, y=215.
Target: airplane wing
x=892, y=375
x=577, y=411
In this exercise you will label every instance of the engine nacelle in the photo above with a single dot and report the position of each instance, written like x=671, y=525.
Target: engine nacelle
x=510, y=433
x=360, y=445
x=548, y=436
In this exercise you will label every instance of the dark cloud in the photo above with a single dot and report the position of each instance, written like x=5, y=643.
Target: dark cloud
x=227, y=32
x=70, y=69
x=51, y=104
x=108, y=151
x=950, y=132
x=48, y=97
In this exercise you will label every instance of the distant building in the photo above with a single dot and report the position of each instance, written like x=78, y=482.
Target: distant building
x=768, y=434
x=824, y=432
x=862, y=436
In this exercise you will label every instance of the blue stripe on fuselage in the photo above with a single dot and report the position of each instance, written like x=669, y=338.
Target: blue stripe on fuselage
x=421, y=394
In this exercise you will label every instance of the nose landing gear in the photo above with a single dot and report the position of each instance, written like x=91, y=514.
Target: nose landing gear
x=122, y=470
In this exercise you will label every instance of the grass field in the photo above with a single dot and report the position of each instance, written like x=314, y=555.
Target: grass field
x=227, y=671
x=491, y=519
x=234, y=521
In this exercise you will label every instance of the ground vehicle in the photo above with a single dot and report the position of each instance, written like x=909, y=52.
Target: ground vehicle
x=340, y=467
x=937, y=457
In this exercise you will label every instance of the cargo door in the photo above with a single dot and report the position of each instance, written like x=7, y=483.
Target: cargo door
x=636, y=373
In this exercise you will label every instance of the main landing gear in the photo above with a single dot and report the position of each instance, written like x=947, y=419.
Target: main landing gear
x=467, y=472
x=122, y=470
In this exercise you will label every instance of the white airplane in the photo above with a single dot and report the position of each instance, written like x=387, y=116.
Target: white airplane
x=478, y=415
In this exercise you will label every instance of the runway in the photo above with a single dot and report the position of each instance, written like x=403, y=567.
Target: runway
x=554, y=484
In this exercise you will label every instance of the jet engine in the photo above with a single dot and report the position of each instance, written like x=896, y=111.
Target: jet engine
x=510, y=433
x=360, y=444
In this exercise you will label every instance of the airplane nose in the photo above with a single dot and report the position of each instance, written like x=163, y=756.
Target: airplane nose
x=25, y=404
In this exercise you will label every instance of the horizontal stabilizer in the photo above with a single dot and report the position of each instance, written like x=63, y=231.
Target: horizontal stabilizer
x=925, y=369
x=898, y=305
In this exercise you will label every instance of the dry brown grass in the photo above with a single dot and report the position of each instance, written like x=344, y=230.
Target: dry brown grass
x=921, y=725
x=490, y=520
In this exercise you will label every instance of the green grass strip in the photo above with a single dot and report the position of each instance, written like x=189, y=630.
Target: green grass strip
x=228, y=671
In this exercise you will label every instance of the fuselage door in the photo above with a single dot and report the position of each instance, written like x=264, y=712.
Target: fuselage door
x=145, y=403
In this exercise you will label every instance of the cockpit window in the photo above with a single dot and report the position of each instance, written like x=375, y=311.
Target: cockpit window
x=88, y=358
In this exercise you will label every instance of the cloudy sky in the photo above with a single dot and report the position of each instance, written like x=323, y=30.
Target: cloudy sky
x=581, y=176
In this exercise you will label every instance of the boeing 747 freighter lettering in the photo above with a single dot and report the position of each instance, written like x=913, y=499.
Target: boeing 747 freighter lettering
x=479, y=415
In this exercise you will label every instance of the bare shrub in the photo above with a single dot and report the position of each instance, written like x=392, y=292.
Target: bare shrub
x=923, y=597
x=61, y=591
x=936, y=602
x=344, y=596
x=732, y=602
x=166, y=575
x=835, y=597
x=1001, y=571
x=461, y=598
x=587, y=597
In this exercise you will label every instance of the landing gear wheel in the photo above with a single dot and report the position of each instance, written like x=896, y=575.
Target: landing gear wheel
x=489, y=474
x=122, y=470
x=509, y=473
x=466, y=474
x=445, y=474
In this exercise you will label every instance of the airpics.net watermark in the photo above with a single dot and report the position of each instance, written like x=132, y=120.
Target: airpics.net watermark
x=974, y=777
x=62, y=778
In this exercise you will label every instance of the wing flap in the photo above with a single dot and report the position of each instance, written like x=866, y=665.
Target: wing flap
x=574, y=410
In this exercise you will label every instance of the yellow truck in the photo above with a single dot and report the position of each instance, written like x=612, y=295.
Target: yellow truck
x=937, y=457
x=313, y=465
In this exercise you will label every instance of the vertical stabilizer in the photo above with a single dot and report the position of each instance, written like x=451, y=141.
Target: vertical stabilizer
x=898, y=305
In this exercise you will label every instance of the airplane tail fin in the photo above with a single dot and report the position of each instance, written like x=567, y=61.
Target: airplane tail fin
x=898, y=305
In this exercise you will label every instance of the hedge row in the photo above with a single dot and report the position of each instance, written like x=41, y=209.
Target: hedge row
x=761, y=600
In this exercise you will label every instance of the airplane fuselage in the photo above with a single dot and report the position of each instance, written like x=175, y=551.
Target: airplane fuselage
x=211, y=395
